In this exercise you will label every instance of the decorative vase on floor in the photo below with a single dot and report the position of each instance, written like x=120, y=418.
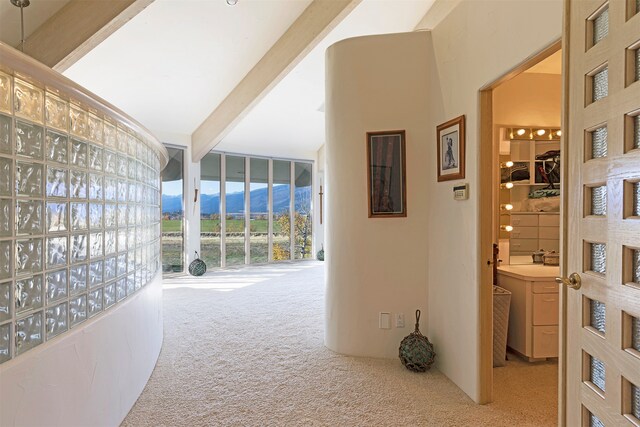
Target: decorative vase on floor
x=320, y=254
x=197, y=266
x=416, y=352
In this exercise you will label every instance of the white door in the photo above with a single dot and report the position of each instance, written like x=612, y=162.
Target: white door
x=602, y=127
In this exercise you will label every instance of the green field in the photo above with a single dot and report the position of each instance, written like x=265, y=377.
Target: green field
x=211, y=225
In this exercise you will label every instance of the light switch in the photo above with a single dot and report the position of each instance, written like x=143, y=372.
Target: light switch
x=385, y=320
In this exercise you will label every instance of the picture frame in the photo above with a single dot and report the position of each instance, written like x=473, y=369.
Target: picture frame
x=451, y=145
x=386, y=174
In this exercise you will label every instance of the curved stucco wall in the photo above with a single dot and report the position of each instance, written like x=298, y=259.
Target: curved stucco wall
x=374, y=265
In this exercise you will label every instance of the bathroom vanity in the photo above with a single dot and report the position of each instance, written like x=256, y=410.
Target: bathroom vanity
x=533, y=317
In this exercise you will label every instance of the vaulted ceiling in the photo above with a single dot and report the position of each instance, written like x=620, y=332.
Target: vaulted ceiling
x=247, y=78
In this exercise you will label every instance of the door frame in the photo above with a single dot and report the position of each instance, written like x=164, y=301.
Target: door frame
x=488, y=219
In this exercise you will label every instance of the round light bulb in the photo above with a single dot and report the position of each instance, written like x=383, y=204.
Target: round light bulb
x=508, y=185
x=508, y=207
x=541, y=132
x=509, y=164
x=508, y=228
x=559, y=133
x=520, y=132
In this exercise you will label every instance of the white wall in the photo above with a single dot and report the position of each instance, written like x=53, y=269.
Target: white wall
x=478, y=42
x=91, y=375
x=374, y=83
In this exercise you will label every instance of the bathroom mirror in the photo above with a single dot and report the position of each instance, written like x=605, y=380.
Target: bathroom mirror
x=529, y=193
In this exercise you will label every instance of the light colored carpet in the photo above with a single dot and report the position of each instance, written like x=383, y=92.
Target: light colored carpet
x=245, y=348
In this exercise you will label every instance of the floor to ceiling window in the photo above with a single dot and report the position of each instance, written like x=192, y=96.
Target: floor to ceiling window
x=234, y=226
x=259, y=211
x=281, y=210
x=173, y=212
x=302, y=212
x=210, y=224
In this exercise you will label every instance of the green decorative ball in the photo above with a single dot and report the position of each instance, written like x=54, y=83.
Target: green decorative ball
x=416, y=352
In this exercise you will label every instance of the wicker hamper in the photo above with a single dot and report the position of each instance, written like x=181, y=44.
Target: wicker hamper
x=501, y=303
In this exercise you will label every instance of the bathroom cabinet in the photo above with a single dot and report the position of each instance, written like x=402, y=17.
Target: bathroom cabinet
x=533, y=231
x=533, y=316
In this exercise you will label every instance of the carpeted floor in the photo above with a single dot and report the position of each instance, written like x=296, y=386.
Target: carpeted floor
x=245, y=348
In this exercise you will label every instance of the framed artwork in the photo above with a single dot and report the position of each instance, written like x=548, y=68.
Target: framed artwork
x=386, y=174
x=451, y=149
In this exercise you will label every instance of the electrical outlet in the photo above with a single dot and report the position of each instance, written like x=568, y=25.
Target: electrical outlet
x=385, y=320
x=400, y=320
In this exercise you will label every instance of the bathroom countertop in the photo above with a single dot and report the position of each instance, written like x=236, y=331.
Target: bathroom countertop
x=530, y=271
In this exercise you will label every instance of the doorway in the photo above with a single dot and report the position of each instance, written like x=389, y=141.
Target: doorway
x=519, y=212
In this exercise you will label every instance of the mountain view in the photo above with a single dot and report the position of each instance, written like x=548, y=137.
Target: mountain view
x=210, y=203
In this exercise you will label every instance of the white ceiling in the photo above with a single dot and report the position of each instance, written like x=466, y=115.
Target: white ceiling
x=34, y=15
x=171, y=65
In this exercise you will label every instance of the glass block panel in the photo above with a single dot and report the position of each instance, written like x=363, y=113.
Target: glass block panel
x=122, y=265
x=110, y=267
x=29, y=217
x=109, y=295
x=5, y=92
x=57, y=147
x=5, y=134
x=122, y=190
x=122, y=140
x=56, y=320
x=121, y=289
x=132, y=169
x=95, y=240
x=94, y=302
x=636, y=199
x=595, y=421
x=599, y=257
x=78, y=155
x=635, y=401
x=109, y=242
x=78, y=216
x=28, y=293
x=6, y=227
x=95, y=157
x=599, y=144
x=95, y=216
x=29, y=332
x=599, y=200
x=78, y=248
x=57, y=288
x=96, y=274
x=56, y=217
x=28, y=256
x=109, y=135
x=635, y=333
x=77, y=309
x=6, y=311
x=121, y=166
x=600, y=84
x=132, y=192
x=78, y=121
x=29, y=179
x=29, y=140
x=597, y=373
x=5, y=342
x=122, y=239
x=6, y=176
x=57, y=182
x=77, y=184
x=109, y=215
x=27, y=101
x=95, y=128
x=601, y=26
x=131, y=238
x=56, y=112
x=598, y=315
x=95, y=187
x=77, y=279
x=635, y=274
x=636, y=129
x=5, y=259
x=110, y=189
x=109, y=162
x=131, y=284
x=56, y=251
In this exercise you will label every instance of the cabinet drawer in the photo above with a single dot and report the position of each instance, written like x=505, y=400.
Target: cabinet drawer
x=549, y=232
x=524, y=245
x=545, y=287
x=520, y=232
x=545, y=309
x=549, y=220
x=524, y=220
x=545, y=341
x=550, y=244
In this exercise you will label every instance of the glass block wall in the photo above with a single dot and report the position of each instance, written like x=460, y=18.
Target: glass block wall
x=79, y=212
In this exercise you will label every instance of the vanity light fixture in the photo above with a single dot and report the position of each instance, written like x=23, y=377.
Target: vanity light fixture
x=506, y=207
x=507, y=185
x=21, y=4
x=508, y=164
x=520, y=132
x=558, y=133
x=508, y=228
x=232, y=2
x=540, y=132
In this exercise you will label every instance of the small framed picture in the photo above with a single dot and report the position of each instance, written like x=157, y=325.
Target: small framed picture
x=451, y=149
x=386, y=174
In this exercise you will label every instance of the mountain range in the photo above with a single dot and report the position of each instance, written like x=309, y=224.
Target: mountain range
x=210, y=203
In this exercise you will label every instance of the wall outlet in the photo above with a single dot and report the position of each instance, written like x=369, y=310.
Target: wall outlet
x=400, y=320
x=385, y=320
